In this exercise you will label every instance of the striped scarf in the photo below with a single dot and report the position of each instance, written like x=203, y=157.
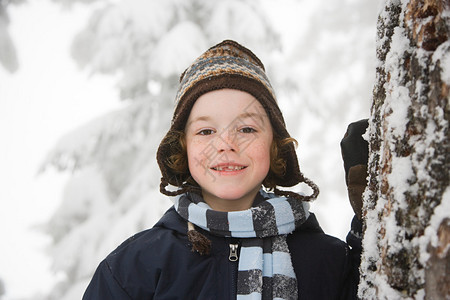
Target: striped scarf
x=265, y=268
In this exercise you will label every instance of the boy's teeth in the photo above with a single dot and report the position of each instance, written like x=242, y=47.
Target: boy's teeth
x=229, y=168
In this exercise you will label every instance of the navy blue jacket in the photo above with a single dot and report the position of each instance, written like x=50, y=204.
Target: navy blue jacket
x=158, y=264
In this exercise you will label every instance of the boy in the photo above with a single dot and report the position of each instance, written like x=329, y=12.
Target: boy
x=226, y=237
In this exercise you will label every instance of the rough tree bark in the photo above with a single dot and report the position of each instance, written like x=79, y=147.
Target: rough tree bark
x=407, y=202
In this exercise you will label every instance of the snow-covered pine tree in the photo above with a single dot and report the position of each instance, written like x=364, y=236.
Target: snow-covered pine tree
x=8, y=53
x=2, y=288
x=407, y=202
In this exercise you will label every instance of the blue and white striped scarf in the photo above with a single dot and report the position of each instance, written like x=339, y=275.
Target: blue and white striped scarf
x=265, y=268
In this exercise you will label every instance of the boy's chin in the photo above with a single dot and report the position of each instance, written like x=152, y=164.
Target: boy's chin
x=235, y=194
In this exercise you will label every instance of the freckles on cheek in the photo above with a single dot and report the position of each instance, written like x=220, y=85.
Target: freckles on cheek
x=260, y=152
x=196, y=155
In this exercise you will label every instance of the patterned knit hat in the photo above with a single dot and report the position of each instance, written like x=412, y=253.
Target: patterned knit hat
x=227, y=65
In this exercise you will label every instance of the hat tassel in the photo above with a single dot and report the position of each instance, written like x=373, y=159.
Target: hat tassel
x=200, y=243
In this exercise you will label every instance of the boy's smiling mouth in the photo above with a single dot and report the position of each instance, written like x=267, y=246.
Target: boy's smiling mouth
x=228, y=167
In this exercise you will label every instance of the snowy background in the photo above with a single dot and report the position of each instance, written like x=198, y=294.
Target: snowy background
x=86, y=93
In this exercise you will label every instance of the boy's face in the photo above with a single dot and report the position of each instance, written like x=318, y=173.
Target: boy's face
x=228, y=137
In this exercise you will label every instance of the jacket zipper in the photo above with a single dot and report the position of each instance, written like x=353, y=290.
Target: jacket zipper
x=233, y=257
x=233, y=252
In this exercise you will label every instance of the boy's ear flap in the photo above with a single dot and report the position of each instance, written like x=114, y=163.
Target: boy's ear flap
x=169, y=146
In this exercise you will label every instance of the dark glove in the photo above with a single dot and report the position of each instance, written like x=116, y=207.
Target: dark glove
x=355, y=153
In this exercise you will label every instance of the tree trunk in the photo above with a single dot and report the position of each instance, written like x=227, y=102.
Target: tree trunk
x=407, y=203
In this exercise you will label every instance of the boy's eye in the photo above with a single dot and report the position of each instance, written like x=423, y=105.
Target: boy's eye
x=247, y=130
x=205, y=132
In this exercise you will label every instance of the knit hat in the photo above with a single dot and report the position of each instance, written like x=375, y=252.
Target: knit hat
x=227, y=65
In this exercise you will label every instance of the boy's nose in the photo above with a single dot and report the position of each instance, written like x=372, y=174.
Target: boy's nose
x=226, y=142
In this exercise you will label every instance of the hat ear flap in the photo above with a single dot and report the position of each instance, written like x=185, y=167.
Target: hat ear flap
x=172, y=158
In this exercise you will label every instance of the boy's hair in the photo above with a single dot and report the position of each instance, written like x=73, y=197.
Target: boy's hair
x=228, y=65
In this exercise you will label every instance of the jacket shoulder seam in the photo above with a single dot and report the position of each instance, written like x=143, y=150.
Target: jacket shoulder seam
x=116, y=280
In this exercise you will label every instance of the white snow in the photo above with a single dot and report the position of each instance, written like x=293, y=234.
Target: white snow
x=398, y=179
x=44, y=99
x=171, y=59
x=442, y=54
x=430, y=237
